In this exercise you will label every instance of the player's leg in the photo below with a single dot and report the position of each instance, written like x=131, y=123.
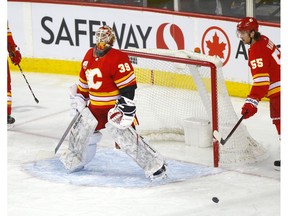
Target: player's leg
x=275, y=114
x=10, y=119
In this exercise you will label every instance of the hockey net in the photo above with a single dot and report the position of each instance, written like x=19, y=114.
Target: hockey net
x=177, y=85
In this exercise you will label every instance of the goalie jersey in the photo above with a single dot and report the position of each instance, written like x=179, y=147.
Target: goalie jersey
x=101, y=79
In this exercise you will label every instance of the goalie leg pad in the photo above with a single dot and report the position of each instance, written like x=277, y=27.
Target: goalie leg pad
x=90, y=150
x=82, y=142
x=75, y=159
x=135, y=146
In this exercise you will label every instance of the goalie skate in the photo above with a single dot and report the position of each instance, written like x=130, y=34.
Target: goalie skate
x=143, y=154
x=160, y=174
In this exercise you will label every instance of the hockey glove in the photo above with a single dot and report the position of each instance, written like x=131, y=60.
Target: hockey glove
x=15, y=56
x=123, y=114
x=249, y=108
x=77, y=101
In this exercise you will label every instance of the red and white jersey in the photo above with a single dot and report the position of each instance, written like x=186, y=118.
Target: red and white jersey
x=264, y=62
x=101, y=79
x=10, y=41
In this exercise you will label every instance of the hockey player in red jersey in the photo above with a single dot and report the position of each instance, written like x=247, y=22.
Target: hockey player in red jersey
x=107, y=86
x=15, y=57
x=264, y=62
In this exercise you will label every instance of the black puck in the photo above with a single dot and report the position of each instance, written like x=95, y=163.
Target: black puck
x=215, y=199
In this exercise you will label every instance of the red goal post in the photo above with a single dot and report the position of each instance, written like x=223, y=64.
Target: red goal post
x=176, y=85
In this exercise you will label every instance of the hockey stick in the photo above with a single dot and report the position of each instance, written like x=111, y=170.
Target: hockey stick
x=218, y=136
x=37, y=101
x=67, y=131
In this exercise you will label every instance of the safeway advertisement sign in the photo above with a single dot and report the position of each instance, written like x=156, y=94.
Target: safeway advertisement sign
x=67, y=31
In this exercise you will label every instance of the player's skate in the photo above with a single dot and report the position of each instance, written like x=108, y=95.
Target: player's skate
x=277, y=165
x=10, y=121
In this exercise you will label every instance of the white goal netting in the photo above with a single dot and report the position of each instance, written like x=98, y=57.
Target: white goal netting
x=174, y=86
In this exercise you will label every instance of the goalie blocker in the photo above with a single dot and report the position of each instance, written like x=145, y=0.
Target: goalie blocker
x=83, y=141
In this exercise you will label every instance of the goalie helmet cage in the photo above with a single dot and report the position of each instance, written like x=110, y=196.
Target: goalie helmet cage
x=176, y=85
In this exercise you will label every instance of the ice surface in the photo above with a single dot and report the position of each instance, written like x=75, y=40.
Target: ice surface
x=113, y=168
x=111, y=184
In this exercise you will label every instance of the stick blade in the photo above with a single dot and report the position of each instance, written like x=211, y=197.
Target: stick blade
x=218, y=137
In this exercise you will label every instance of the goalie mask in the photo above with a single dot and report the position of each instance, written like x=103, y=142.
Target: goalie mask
x=105, y=38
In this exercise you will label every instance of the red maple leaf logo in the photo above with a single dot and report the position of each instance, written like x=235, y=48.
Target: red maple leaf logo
x=216, y=48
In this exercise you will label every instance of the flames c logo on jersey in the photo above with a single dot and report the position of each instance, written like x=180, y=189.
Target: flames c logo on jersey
x=169, y=36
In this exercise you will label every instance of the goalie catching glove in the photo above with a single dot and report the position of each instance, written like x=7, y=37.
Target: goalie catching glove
x=123, y=114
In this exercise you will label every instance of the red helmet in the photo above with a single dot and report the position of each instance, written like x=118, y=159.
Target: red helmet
x=248, y=24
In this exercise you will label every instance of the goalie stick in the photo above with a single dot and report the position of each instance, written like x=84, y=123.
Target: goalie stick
x=218, y=136
x=67, y=131
x=78, y=118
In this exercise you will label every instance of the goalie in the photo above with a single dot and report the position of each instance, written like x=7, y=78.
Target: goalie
x=107, y=86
